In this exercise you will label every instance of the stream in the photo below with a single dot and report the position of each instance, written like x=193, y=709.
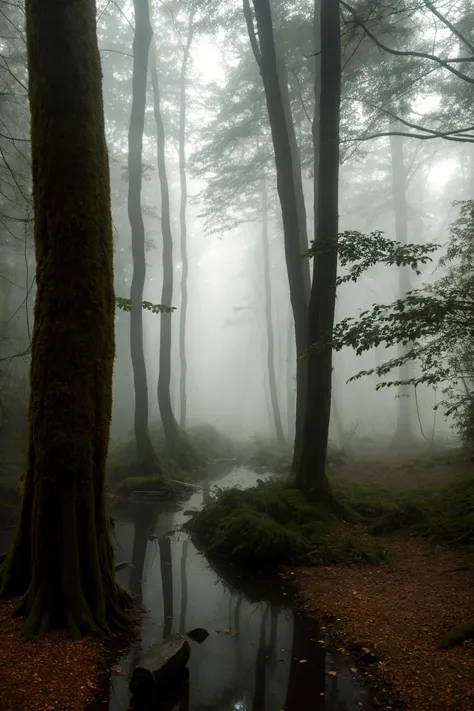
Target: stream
x=259, y=656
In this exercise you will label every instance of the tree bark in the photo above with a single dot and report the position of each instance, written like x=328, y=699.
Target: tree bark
x=62, y=560
x=170, y=426
x=290, y=377
x=404, y=431
x=141, y=44
x=265, y=55
x=182, y=224
x=317, y=104
x=311, y=474
x=296, y=164
x=269, y=319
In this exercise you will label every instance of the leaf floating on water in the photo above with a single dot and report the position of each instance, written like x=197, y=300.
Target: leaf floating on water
x=302, y=661
x=359, y=703
x=228, y=632
x=117, y=669
x=332, y=673
x=321, y=641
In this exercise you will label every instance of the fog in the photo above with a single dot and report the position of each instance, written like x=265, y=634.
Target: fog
x=226, y=338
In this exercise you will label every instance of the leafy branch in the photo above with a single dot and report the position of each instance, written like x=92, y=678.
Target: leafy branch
x=126, y=305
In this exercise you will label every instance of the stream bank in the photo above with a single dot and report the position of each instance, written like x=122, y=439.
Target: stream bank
x=391, y=616
x=260, y=654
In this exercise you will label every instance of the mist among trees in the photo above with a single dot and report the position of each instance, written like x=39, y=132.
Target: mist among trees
x=234, y=236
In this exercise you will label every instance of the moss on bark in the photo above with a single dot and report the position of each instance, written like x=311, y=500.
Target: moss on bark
x=61, y=561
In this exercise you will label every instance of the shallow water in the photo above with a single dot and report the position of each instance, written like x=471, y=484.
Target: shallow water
x=259, y=656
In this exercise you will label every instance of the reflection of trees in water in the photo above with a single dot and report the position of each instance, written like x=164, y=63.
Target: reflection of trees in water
x=166, y=567
x=144, y=519
x=334, y=703
x=272, y=644
x=303, y=692
x=184, y=586
x=258, y=703
x=238, y=605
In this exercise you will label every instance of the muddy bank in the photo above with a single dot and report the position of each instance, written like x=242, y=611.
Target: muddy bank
x=391, y=616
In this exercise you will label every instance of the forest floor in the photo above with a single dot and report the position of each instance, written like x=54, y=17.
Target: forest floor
x=49, y=673
x=390, y=616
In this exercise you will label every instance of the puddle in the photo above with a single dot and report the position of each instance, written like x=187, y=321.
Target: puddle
x=259, y=656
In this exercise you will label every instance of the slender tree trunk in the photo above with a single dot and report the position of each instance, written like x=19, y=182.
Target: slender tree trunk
x=290, y=377
x=62, y=558
x=141, y=44
x=404, y=431
x=317, y=105
x=269, y=320
x=311, y=474
x=265, y=54
x=182, y=223
x=164, y=376
x=296, y=164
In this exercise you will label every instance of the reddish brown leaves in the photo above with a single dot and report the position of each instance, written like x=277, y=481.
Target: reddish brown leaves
x=50, y=673
x=398, y=611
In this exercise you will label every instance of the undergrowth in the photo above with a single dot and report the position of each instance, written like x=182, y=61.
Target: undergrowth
x=273, y=524
x=444, y=513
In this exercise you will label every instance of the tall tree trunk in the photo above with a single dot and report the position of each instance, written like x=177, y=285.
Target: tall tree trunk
x=182, y=223
x=290, y=377
x=404, y=431
x=265, y=55
x=141, y=44
x=317, y=104
x=311, y=474
x=296, y=164
x=269, y=320
x=164, y=376
x=62, y=559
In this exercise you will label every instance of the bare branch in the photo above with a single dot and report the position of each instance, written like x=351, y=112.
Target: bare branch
x=445, y=63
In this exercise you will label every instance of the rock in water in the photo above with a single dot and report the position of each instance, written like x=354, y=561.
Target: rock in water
x=161, y=664
x=198, y=635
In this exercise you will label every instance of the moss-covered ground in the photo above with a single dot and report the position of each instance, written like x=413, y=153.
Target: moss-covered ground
x=273, y=524
x=431, y=497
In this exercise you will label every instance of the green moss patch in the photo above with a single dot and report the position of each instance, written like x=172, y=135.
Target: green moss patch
x=122, y=462
x=274, y=524
x=444, y=513
x=457, y=635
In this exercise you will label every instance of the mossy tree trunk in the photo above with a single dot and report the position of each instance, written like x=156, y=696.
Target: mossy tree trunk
x=311, y=473
x=62, y=561
x=182, y=223
x=141, y=44
x=263, y=46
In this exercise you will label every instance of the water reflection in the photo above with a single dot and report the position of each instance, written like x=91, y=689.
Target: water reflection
x=259, y=656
